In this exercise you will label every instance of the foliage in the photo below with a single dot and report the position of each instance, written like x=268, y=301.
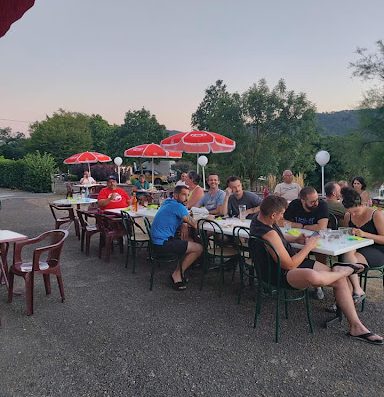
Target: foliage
x=38, y=171
x=338, y=123
x=12, y=145
x=11, y=173
x=100, y=132
x=61, y=135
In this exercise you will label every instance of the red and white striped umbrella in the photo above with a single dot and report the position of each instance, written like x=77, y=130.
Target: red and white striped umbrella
x=87, y=157
x=151, y=150
x=199, y=142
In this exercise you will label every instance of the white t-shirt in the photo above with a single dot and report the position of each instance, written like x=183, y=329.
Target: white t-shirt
x=290, y=191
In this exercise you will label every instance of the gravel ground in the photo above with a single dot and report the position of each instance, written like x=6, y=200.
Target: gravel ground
x=113, y=337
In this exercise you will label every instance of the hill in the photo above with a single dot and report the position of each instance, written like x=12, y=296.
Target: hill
x=338, y=123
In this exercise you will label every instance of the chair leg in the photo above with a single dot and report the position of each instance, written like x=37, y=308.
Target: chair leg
x=11, y=277
x=108, y=248
x=258, y=305
x=363, y=281
x=286, y=304
x=241, y=282
x=82, y=240
x=133, y=248
x=308, y=309
x=277, y=319
x=47, y=284
x=61, y=287
x=152, y=275
x=87, y=244
x=29, y=292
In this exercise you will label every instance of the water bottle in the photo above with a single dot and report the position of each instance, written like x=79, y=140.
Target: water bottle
x=86, y=192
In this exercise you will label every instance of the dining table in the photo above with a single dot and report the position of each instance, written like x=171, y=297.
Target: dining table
x=75, y=201
x=7, y=237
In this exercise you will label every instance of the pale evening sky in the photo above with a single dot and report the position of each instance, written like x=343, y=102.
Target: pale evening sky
x=108, y=57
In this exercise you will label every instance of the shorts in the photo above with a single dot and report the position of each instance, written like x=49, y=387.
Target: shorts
x=306, y=264
x=173, y=246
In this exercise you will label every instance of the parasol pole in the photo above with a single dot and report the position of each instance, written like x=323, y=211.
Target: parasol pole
x=89, y=168
x=197, y=163
x=153, y=184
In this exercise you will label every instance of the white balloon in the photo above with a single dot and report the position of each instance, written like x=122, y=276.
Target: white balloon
x=322, y=158
x=118, y=161
x=202, y=160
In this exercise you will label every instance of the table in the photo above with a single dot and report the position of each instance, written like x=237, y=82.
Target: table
x=142, y=211
x=75, y=201
x=6, y=237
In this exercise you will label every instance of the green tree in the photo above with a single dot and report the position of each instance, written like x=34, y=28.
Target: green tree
x=12, y=145
x=61, y=135
x=101, y=133
x=140, y=126
x=39, y=169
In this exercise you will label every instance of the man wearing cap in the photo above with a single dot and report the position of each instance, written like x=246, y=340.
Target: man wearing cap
x=112, y=196
x=288, y=189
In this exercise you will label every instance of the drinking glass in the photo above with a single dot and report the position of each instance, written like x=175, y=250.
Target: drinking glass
x=242, y=209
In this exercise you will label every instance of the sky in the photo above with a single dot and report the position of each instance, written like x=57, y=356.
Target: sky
x=109, y=57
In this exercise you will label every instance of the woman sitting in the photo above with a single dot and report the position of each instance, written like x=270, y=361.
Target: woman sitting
x=300, y=272
x=366, y=222
x=358, y=183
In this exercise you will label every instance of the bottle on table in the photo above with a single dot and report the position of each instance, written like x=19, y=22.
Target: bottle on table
x=134, y=202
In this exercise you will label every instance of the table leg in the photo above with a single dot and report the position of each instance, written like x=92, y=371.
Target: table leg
x=4, y=264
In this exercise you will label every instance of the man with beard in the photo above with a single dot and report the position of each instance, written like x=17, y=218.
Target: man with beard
x=213, y=200
x=307, y=212
x=170, y=216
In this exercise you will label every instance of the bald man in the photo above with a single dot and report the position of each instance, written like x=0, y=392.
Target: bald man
x=288, y=189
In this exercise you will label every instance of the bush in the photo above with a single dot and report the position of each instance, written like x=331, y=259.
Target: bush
x=12, y=173
x=38, y=171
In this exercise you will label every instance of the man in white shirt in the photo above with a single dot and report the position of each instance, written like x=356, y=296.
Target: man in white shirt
x=288, y=189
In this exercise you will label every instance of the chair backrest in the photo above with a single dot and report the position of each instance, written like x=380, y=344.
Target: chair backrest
x=333, y=223
x=267, y=263
x=69, y=188
x=212, y=236
x=83, y=215
x=55, y=209
x=108, y=224
x=241, y=236
x=130, y=225
x=51, y=252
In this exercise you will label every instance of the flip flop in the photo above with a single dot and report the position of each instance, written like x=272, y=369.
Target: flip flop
x=365, y=338
x=177, y=286
x=358, y=298
x=356, y=269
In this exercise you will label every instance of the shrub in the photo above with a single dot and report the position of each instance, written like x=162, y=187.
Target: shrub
x=38, y=171
x=12, y=173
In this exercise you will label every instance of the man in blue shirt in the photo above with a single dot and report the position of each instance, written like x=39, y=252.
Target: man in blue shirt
x=213, y=200
x=170, y=216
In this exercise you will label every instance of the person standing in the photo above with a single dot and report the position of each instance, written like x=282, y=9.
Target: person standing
x=288, y=189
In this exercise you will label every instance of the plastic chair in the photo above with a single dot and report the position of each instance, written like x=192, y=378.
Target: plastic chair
x=137, y=237
x=45, y=261
x=156, y=259
x=217, y=253
x=247, y=269
x=372, y=272
x=269, y=275
x=87, y=229
x=63, y=215
x=111, y=229
x=333, y=223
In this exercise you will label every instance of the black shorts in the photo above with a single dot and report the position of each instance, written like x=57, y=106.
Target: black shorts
x=173, y=246
x=306, y=264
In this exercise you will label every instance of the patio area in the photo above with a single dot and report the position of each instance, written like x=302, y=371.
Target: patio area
x=113, y=337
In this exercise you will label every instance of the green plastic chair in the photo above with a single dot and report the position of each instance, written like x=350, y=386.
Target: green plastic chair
x=156, y=259
x=269, y=274
x=137, y=238
x=217, y=251
x=372, y=272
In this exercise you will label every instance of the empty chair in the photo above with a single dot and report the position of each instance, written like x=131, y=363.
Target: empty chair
x=45, y=261
x=87, y=229
x=111, y=229
x=372, y=272
x=63, y=215
x=137, y=237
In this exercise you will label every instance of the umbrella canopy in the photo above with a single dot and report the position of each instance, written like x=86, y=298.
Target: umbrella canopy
x=11, y=11
x=199, y=142
x=151, y=150
x=87, y=157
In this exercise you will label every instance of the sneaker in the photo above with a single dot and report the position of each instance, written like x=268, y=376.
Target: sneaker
x=318, y=293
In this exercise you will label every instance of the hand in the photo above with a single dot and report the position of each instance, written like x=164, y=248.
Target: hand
x=358, y=232
x=311, y=242
x=301, y=239
x=228, y=191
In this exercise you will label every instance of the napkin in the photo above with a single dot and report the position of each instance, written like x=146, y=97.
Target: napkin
x=355, y=238
x=200, y=211
x=294, y=232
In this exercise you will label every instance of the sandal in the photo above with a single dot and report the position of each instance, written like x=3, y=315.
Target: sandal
x=356, y=269
x=365, y=338
x=358, y=298
x=177, y=286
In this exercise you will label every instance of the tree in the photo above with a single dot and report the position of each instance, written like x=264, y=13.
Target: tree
x=61, y=135
x=12, y=145
x=101, y=133
x=140, y=126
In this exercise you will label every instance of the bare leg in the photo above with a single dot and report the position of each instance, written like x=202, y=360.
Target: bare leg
x=355, y=257
x=194, y=250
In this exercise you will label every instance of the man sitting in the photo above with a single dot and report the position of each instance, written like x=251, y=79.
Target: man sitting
x=213, y=200
x=141, y=184
x=235, y=196
x=307, y=212
x=112, y=196
x=333, y=196
x=170, y=216
x=288, y=189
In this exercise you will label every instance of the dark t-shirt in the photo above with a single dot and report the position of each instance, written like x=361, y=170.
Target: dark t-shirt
x=296, y=213
x=249, y=199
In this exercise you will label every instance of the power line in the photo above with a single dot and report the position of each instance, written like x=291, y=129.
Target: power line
x=19, y=121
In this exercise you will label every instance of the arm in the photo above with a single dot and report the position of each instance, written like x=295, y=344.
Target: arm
x=220, y=204
x=195, y=198
x=378, y=220
x=320, y=225
x=277, y=191
x=224, y=209
x=288, y=216
x=190, y=221
x=288, y=262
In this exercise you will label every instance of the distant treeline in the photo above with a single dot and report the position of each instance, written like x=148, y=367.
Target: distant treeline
x=338, y=123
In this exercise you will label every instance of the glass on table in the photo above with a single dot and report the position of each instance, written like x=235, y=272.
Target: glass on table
x=324, y=233
x=242, y=210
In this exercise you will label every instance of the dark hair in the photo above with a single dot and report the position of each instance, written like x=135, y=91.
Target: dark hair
x=194, y=177
x=232, y=178
x=179, y=188
x=361, y=180
x=213, y=173
x=329, y=188
x=350, y=197
x=273, y=204
x=305, y=191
